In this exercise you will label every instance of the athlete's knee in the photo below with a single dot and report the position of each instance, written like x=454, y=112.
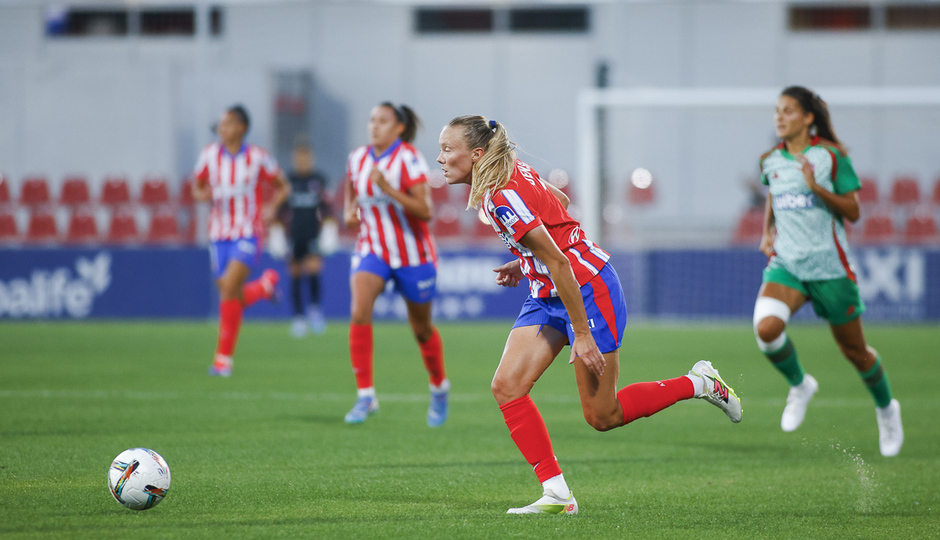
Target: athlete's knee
x=422, y=330
x=360, y=315
x=601, y=421
x=770, y=321
x=505, y=389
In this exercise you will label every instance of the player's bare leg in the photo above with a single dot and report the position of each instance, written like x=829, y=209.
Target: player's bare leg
x=432, y=354
x=230, y=286
x=528, y=353
x=851, y=340
x=366, y=288
x=775, y=303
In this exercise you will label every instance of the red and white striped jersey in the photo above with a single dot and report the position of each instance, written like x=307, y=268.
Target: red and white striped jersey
x=386, y=229
x=524, y=204
x=236, y=182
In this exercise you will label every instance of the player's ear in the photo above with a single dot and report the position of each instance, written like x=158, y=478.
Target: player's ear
x=477, y=153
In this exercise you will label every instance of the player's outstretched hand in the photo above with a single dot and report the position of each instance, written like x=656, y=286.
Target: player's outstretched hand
x=586, y=349
x=509, y=274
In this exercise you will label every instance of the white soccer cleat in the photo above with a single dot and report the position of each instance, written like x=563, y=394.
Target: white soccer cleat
x=797, y=400
x=298, y=327
x=890, y=431
x=549, y=504
x=716, y=391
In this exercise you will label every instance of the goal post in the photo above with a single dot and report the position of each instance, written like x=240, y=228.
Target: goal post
x=592, y=100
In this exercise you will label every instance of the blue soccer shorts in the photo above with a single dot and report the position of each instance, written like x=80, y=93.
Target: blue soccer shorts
x=243, y=250
x=603, y=301
x=418, y=284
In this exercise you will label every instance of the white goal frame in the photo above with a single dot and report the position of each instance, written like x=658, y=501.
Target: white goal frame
x=592, y=100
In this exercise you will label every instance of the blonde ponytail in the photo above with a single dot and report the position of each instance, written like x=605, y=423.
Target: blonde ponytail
x=494, y=169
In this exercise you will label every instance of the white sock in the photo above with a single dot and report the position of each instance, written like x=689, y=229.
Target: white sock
x=366, y=392
x=698, y=383
x=558, y=486
x=444, y=387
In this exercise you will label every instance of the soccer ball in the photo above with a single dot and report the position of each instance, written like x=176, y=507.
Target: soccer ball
x=139, y=478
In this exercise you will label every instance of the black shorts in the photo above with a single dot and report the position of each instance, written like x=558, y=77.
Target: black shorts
x=304, y=243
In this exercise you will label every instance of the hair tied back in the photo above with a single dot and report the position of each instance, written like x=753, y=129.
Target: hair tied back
x=493, y=125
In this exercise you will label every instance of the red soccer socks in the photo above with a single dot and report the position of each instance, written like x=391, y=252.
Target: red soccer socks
x=528, y=431
x=432, y=352
x=360, y=353
x=640, y=400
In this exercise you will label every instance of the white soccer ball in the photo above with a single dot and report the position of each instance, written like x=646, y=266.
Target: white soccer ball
x=139, y=478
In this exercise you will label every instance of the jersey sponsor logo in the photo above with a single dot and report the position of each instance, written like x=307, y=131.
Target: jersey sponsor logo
x=506, y=216
x=794, y=201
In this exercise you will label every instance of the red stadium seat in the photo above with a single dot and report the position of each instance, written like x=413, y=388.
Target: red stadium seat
x=446, y=220
x=75, y=191
x=42, y=228
x=8, y=230
x=868, y=193
x=750, y=227
x=936, y=192
x=188, y=226
x=115, y=191
x=123, y=229
x=82, y=228
x=186, y=193
x=4, y=190
x=440, y=195
x=642, y=196
x=155, y=191
x=920, y=228
x=34, y=191
x=164, y=228
x=878, y=229
x=905, y=190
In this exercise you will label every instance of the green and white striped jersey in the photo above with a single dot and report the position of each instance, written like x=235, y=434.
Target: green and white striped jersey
x=810, y=241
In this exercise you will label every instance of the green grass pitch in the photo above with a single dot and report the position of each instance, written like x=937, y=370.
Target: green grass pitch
x=266, y=453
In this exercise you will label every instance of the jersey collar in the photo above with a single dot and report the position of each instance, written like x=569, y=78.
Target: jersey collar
x=241, y=149
x=388, y=151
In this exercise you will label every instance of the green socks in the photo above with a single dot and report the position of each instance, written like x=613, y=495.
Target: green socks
x=787, y=363
x=876, y=380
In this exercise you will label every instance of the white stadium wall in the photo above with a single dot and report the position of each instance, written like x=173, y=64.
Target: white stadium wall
x=141, y=106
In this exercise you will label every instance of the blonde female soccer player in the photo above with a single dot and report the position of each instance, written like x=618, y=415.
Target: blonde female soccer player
x=575, y=299
x=813, y=188
x=388, y=198
x=229, y=174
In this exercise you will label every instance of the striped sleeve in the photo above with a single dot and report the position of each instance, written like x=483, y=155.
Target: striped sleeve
x=514, y=215
x=201, y=172
x=268, y=168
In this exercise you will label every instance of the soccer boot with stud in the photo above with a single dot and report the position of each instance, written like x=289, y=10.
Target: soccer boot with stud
x=716, y=391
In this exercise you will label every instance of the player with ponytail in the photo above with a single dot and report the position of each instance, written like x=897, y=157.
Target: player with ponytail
x=575, y=299
x=813, y=189
x=388, y=199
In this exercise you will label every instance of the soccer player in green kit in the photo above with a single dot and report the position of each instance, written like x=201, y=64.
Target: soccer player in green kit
x=813, y=187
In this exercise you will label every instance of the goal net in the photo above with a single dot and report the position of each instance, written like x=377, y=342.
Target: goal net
x=667, y=174
x=695, y=152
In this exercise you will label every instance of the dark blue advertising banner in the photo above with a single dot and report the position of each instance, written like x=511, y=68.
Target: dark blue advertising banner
x=898, y=284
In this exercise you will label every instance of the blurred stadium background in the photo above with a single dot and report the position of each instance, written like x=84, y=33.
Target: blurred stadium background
x=105, y=105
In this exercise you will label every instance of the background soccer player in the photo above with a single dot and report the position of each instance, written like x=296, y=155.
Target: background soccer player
x=387, y=197
x=813, y=187
x=309, y=206
x=575, y=298
x=229, y=174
